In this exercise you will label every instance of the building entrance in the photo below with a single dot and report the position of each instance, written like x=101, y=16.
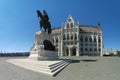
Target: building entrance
x=73, y=51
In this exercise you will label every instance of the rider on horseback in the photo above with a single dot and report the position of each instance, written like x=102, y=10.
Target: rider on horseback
x=45, y=15
x=44, y=21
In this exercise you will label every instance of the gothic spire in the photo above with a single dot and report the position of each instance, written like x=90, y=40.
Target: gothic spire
x=99, y=25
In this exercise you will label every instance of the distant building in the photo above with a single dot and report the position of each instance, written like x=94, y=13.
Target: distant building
x=78, y=40
x=111, y=52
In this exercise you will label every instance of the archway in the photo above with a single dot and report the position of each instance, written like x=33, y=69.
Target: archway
x=73, y=50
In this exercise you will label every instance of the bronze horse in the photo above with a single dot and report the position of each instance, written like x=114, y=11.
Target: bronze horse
x=44, y=21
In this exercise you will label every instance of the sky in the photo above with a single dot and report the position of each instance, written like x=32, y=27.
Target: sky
x=19, y=22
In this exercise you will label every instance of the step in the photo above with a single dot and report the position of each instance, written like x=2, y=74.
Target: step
x=57, y=67
x=32, y=66
x=47, y=67
x=58, y=70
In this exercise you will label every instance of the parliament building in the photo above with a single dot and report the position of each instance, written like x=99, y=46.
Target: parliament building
x=73, y=39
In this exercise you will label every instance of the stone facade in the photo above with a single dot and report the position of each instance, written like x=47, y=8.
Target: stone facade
x=78, y=40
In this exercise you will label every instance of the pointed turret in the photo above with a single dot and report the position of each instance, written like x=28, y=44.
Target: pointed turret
x=99, y=27
x=70, y=19
x=69, y=22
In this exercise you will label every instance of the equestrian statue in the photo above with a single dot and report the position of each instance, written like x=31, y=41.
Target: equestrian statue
x=44, y=21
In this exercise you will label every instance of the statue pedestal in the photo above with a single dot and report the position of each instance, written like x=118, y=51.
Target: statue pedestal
x=43, y=48
x=43, y=55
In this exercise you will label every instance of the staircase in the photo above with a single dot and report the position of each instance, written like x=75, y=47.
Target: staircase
x=46, y=67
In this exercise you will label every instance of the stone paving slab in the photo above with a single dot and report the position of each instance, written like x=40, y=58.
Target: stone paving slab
x=82, y=68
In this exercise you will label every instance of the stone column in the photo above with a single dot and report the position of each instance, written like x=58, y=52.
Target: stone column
x=97, y=44
x=78, y=50
x=61, y=42
x=92, y=43
x=101, y=54
x=69, y=51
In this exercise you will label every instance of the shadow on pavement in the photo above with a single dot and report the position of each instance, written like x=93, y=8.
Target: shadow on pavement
x=75, y=61
x=83, y=60
x=88, y=60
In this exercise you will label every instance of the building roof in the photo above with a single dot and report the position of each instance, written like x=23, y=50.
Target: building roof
x=84, y=28
x=87, y=28
x=56, y=30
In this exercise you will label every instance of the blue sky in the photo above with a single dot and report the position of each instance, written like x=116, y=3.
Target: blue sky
x=19, y=22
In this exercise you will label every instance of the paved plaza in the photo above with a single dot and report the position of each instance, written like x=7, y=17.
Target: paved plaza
x=81, y=68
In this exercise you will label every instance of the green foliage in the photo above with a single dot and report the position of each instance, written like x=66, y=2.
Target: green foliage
x=111, y=54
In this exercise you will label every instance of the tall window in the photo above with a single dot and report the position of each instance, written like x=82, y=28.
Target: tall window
x=75, y=36
x=99, y=49
x=81, y=49
x=95, y=49
x=99, y=39
x=90, y=49
x=68, y=43
x=81, y=39
x=64, y=37
x=71, y=35
x=99, y=45
x=71, y=25
x=86, y=49
x=95, y=39
x=68, y=36
x=86, y=39
x=67, y=25
x=90, y=39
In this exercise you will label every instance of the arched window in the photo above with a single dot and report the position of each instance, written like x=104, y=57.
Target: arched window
x=68, y=36
x=71, y=35
x=75, y=36
x=99, y=39
x=90, y=39
x=64, y=37
x=71, y=25
x=67, y=25
x=99, y=49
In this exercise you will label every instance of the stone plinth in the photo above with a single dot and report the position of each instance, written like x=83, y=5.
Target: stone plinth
x=43, y=55
x=42, y=50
